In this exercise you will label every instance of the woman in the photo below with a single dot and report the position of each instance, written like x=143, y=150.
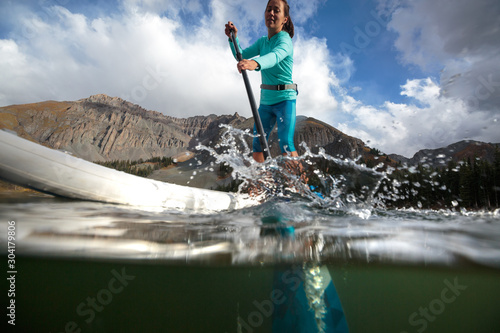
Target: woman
x=274, y=58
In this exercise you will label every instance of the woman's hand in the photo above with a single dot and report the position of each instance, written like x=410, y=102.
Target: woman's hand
x=247, y=65
x=230, y=26
x=244, y=64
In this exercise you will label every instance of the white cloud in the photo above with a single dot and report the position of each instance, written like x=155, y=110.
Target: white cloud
x=152, y=53
x=171, y=8
x=301, y=11
x=12, y=58
x=433, y=121
x=459, y=37
x=138, y=55
x=424, y=90
x=317, y=81
x=172, y=56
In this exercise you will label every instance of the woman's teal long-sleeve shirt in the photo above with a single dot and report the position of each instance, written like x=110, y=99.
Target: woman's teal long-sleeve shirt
x=275, y=58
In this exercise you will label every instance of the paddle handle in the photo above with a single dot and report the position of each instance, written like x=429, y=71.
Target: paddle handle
x=256, y=117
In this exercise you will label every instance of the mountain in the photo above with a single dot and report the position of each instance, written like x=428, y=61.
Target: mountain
x=459, y=151
x=103, y=128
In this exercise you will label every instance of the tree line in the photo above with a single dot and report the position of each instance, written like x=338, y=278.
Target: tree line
x=471, y=183
x=138, y=168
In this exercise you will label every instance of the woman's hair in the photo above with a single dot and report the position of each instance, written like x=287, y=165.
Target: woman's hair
x=288, y=27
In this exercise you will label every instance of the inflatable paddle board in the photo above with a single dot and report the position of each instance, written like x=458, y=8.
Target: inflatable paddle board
x=34, y=166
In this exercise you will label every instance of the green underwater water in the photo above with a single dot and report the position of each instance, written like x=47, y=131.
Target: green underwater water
x=83, y=295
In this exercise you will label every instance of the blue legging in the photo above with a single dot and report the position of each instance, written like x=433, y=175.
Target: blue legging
x=282, y=114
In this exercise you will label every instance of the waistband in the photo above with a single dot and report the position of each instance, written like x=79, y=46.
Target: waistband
x=280, y=87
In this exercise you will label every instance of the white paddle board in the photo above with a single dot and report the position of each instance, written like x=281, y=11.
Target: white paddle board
x=31, y=165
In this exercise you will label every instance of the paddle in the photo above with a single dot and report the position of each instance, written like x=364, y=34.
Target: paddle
x=258, y=122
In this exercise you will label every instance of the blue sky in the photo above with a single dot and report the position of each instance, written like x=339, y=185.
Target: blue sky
x=376, y=71
x=401, y=75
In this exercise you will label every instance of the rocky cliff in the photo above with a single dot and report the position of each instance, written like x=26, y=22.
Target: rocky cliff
x=103, y=128
x=459, y=151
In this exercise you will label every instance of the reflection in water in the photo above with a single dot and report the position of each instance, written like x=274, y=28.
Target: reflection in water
x=304, y=298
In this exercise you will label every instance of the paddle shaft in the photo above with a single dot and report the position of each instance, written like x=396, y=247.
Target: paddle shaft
x=258, y=122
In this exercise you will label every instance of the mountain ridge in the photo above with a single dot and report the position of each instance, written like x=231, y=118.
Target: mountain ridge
x=456, y=152
x=104, y=128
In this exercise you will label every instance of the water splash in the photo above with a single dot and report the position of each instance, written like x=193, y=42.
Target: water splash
x=338, y=184
x=307, y=177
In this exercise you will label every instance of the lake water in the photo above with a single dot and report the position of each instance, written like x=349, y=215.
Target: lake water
x=93, y=267
x=394, y=271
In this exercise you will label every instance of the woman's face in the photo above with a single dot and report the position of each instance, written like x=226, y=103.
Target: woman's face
x=275, y=15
